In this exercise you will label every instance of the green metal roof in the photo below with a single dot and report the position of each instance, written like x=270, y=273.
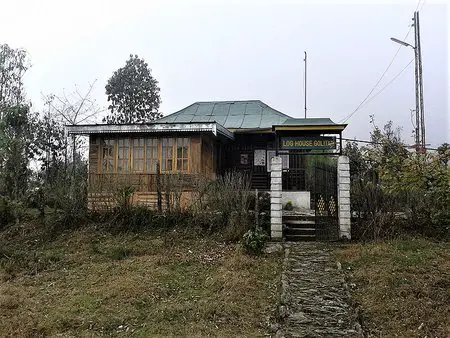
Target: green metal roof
x=309, y=122
x=252, y=114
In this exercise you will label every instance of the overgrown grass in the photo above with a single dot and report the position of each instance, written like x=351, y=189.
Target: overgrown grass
x=162, y=283
x=401, y=286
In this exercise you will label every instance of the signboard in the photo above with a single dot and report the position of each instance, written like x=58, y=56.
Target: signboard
x=308, y=143
x=259, y=157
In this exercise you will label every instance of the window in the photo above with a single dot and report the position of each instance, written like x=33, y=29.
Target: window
x=108, y=156
x=138, y=154
x=167, y=154
x=182, y=154
x=152, y=154
x=123, y=155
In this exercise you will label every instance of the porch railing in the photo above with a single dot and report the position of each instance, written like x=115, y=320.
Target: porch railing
x=141, y=182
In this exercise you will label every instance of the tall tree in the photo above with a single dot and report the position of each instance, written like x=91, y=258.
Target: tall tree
x=13, y=65
x=133, y=94
x=17, y=124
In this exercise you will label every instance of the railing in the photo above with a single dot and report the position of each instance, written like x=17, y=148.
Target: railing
x=141, y=182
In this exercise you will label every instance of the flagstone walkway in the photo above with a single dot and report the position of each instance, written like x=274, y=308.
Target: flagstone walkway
x=315, y=298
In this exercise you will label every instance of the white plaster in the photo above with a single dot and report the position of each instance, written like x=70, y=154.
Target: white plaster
x=275, y=206
x=275, y=194
x=344, y=197
x=276, y=235
x=344, y=193
x=345, y=180
x=275, y=174
x=343, y=160
x=299, y=199
x=275, y=180
x=276, y=187
x=344, y=207
x=277, y=227
x=276, y=213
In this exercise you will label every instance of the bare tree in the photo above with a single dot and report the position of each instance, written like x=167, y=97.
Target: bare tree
x=73, y=109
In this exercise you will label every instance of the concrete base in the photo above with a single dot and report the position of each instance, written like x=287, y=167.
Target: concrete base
x=299, y=199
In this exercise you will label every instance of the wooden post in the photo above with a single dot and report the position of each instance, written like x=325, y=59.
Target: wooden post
x=158, y=187
x=257, y=209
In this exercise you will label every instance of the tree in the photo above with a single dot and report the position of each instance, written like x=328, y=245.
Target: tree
x=17, y=124
x=13, y=65
x=72, y=109
x=133, y=94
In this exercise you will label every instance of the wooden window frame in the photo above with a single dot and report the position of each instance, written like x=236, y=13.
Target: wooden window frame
x=117, y=148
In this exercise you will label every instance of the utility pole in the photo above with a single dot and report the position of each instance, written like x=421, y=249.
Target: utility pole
x=419, y=55
x=305, y=82
x=420, y=112
x=417, y=84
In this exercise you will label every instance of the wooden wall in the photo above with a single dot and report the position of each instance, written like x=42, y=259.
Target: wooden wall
x=202, y=162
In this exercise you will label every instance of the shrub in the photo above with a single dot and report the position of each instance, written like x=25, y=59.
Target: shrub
x=223, y=205
x=6, y=212
x=288, y=206
x=253, y=241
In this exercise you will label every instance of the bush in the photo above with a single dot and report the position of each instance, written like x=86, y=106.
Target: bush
x=6, y=213
x=253, y=241
x=288, y=206
x=223, y=205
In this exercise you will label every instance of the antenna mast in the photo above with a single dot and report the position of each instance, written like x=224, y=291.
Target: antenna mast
x=305, y=82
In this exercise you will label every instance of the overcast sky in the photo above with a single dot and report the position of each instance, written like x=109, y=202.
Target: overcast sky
x=254, y=50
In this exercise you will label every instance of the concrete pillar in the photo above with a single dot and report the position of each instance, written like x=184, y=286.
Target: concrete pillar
x=276, y=212
x=343, y=178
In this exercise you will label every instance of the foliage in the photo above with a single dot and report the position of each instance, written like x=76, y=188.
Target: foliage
x=288, y=206
x=253, y=241
x=223, y=205
x=395, y=190
x=17, y=124
x=13, y=65
x=133, y=94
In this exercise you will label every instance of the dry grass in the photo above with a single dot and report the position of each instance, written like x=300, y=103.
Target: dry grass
x=401, y=286
x=91, y=283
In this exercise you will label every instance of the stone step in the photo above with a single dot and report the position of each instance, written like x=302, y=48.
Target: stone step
x=299, y=222
x=299, y=217
x=288, y=231
x=299, y=238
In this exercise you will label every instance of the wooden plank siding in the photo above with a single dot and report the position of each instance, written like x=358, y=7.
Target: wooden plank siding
x=105, y=179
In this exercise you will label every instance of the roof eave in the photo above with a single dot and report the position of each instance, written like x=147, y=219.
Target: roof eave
x=212, y=127
x=335, y=127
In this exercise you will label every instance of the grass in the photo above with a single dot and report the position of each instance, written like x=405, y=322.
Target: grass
x=93, y=283
x=402, y=286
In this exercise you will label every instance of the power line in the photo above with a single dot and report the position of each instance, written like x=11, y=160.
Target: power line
x=389, y=83
x=380, y=143
x=381, y=78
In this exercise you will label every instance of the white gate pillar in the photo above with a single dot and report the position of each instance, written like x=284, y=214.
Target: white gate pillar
x=343, y=180
x=276, y=212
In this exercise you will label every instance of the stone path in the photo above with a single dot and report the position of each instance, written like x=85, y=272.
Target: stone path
x=314, y=301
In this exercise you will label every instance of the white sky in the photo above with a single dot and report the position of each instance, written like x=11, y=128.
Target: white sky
x=220, y=50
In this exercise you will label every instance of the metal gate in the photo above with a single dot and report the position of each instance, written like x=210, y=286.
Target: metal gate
x=326, y=203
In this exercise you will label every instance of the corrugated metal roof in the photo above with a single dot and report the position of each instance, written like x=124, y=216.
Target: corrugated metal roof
x=308, y=122
x=230, y=114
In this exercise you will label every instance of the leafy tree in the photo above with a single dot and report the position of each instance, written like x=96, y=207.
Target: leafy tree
x=391, y=186
x=133, y=94
x=13, y=65
x=17, y=124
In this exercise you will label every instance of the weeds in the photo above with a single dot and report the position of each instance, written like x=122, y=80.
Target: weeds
x=401, y=286
x=162, y=283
